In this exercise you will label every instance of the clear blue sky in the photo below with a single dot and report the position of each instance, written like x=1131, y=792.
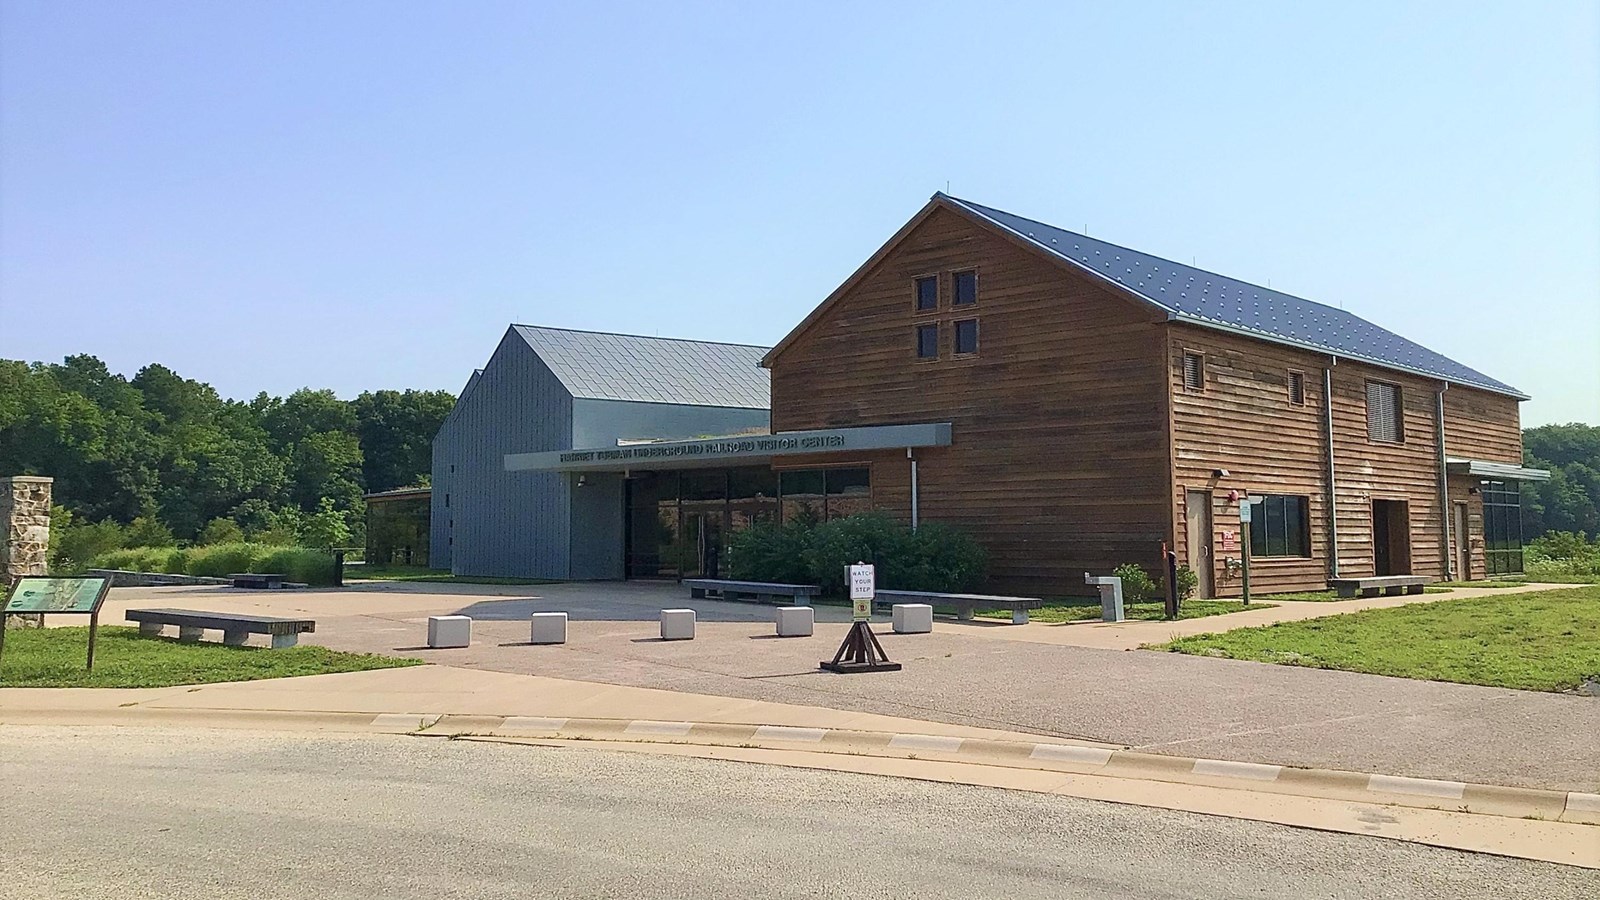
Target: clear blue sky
x=363, y=195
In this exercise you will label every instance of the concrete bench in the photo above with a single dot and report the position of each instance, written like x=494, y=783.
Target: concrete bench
x=765, y=592
x=1379, y=584
x=235, y=628
x=964, y=604
x=257, y=580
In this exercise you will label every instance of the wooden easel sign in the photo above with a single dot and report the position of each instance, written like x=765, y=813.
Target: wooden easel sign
x=861, y=651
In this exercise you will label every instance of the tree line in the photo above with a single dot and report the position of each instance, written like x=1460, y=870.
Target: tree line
x=1570, y=500
x=165, y=458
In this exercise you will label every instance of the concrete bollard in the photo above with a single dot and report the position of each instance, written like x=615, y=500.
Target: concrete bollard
x=190, y=633
x=449, y=631
x=796, y=621
x=548, y=628
x=911, y=618
x=150, y=629
x=677, y=624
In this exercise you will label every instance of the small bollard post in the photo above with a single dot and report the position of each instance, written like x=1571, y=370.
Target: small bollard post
x=1172, y=581
x=338, y=568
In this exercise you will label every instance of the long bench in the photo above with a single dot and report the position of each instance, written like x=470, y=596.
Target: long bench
x=235, y=628
x=764, y=591
x=258, y=580
x=1379, y=584
x=965, y=604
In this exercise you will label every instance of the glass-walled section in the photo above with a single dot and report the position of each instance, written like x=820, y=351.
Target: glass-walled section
x=678, y=523
x=1502, y=528
x=397, y=531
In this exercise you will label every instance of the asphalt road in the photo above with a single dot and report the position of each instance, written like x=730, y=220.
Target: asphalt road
x=102, y=812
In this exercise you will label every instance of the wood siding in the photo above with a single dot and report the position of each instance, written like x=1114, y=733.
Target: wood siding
x=1243, y=422
x=1059, y=460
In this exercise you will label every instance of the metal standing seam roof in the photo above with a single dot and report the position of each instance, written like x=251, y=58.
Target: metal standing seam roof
x=596, y=365
x=1205, y=298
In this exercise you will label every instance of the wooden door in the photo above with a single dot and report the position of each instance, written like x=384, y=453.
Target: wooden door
x=1197, y=513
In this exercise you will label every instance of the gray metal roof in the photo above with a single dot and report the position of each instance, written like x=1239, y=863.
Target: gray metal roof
x=1205, y=298
x=594, y=365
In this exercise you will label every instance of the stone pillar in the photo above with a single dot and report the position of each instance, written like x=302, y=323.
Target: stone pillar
x=24, y=527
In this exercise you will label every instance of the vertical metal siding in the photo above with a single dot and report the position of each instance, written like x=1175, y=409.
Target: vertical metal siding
x=506, y=524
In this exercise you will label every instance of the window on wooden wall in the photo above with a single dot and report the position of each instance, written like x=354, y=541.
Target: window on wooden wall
x=927, y=293
x=1297, y=388
x=967, y=336
x=1279, y=526
x=1384, y=411
x=928, y=341
x=1194, y=371
x=966, y=288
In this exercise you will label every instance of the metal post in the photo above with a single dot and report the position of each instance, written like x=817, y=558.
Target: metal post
x=94, y=628
x=338, y=568
x=914, y=512
x=1444, y=486
x=1244, y=556
x=1333, y=492
x=1171, y=562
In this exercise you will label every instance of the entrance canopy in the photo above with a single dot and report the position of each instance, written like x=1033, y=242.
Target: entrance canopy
x=721, y=451
x=1494, y=471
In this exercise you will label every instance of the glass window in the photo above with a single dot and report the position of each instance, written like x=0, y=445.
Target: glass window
x=849, y=491
x=928, y=341
x=1384, y=412
x=967, y=336
x=1278, y=526
x=712, y=485
x=802, y=495
x=966, y=284
x=927, y=293
x=1502, y=527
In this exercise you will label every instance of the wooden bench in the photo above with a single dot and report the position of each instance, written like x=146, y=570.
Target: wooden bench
x=1380, y=584
x=766, y=592
x=964, y=604
x=257, y=580
x=236, y=629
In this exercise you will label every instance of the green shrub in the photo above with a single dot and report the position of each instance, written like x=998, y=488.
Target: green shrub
x=869, y=537
x=299, y=564
x=941, y=558
x=1137, y=585
x=73, y=545
x=220, y=531
x=1188, y=583
x=767, y=551
x=177, y=563
x=222, y=560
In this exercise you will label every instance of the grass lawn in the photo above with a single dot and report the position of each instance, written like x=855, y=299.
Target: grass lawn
x=420, y=573
x=1541, y=641
x=1076, y=609
x=53, y=657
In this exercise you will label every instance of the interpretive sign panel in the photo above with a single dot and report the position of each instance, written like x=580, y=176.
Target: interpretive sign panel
x=47, y=596
x=57, y=595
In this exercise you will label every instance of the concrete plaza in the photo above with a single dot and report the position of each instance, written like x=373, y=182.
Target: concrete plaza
x=995, y=676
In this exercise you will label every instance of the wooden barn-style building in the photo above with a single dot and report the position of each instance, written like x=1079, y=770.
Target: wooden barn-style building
x=1075, y=405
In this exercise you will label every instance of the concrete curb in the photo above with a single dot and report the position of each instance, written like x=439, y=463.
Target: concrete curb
x=1329, y=784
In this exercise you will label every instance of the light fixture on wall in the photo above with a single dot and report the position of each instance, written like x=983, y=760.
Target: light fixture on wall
x=1219, y=473
x=583, y=481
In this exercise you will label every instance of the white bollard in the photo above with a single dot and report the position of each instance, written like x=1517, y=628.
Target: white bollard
x=449, y=631
x=677, y=624
x=911, y=618
x=548, y=628
x=796, y=621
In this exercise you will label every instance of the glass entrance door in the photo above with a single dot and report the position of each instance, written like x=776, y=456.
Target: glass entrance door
x=702, y=533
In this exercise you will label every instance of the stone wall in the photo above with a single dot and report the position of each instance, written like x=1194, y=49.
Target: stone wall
x=25, y=520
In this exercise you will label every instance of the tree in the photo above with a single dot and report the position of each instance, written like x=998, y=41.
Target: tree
x=1570, y=500
x=325, y=527
x=396, y=430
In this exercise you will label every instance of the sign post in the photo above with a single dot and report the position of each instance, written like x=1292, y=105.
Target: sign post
x=1244, y=546
x=48, y=596
x=861, y=651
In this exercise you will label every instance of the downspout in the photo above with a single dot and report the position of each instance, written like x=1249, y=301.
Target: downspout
x=1333, y=494
x=913, y=458
x=1444, y=483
